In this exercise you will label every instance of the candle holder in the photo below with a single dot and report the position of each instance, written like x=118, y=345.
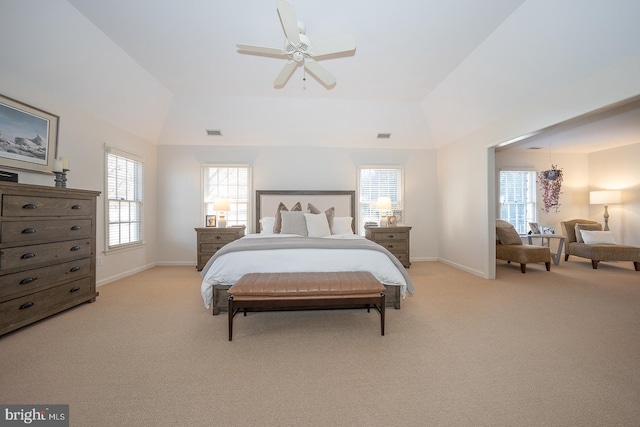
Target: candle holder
x=61, y=178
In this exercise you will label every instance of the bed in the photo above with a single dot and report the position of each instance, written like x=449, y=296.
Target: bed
x=289, y=250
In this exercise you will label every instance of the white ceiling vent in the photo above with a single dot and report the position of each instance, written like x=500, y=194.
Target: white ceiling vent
x=384, y=135
x=214, y=132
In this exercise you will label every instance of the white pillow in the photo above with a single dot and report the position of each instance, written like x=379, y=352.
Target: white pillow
x=598, y=237
x=266, y=224
x=317, y=224
x=342, y=225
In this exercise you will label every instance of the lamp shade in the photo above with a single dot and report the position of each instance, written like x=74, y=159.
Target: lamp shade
x=221, y=205
x=383, y=204
x=605, y=197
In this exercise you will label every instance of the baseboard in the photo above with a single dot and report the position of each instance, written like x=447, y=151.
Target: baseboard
x=124, y=274
x=463, y=268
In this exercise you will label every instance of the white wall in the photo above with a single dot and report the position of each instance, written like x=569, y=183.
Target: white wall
x=617, y=169
x=287, y=168
x=81, y=138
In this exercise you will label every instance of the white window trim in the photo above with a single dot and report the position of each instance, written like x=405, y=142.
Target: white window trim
x=203, y=209
x=110, y=149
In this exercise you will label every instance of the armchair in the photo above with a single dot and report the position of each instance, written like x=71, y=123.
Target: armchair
x=509, y=247
x=596, y=252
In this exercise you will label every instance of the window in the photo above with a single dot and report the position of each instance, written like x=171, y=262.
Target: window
x=378, y=182
x=124, y=193
x=518, y=198
x=229, y=182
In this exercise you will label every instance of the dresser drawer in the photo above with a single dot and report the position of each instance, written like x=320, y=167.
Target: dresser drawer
x=33, y=255
x=26, y=281
x=25, y=231
x=23, y=310
x=391, y=246
x=19, y=205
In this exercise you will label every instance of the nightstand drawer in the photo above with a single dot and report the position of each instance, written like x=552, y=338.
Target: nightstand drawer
x=381, y=235
x=219, y=237
x=394, y=246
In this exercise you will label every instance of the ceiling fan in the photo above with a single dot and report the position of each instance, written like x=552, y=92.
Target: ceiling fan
x=299, y=49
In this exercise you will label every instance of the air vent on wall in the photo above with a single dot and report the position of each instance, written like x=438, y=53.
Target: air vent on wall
x=384, y=135
x=214, y=132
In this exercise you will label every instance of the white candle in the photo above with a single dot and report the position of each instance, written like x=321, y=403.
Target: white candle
x=65, y=163
x=57, y=165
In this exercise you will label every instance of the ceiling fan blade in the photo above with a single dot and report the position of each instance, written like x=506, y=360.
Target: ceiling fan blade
x=261, y=50
x=329, y=47
x=317, y=70
x=286, y=72
x=289, y=22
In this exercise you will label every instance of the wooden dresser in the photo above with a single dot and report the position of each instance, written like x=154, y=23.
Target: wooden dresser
x=395, y=239
x=47, y=252
x=211, y=239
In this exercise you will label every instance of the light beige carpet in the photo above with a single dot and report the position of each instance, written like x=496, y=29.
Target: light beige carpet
x=559, y=348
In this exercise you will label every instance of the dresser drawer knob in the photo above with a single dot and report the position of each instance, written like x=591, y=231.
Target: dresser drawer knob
x=76, y=228
x=75, y=207
x=28, y=231
x=390, y=246
x=390, y=236
x=74, y=269
x=29, y=206
x=26, y=305
x=218, y=237
x=75, y=248
x=28, y=280
x=74, y=289
x=28, y=255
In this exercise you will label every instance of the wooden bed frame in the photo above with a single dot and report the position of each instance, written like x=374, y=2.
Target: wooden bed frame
x=266, y=204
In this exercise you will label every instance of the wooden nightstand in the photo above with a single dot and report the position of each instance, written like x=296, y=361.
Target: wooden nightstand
x=211, y=239
x=395, y=239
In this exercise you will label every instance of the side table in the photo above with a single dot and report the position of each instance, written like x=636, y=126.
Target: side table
x=554, y=256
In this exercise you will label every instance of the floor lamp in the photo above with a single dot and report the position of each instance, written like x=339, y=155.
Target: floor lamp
x=605, y=197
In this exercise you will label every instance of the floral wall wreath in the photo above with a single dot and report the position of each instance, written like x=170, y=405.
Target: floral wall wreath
x=550, y=183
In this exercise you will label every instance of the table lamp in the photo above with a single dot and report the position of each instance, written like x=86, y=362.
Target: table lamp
x=222, y=205
x=383, y=204
x=605, y=197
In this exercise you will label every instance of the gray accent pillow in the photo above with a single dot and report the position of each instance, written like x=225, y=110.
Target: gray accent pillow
x=282, y=208
x=508, y=236
x=293, y=223
x=589, y=227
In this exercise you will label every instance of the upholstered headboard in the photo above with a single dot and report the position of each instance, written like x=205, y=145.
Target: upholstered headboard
x=267, y=202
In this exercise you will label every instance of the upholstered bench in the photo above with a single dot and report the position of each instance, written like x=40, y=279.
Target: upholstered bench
x=266, y=291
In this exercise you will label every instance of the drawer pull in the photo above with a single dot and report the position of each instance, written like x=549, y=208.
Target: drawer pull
x=28, y=231
x=74, y=269
x=390, y=246
x=75, y=248
x=390, y=236
x=26, y=305
x=29, y=206
x=28, y=255
x=74, y=289
x=75, y=228
x=218, y=237
x=75, y=207
x=28, y=280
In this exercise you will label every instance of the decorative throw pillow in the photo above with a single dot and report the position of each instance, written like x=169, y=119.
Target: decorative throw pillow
x=277, y=226
x=331, y=212
x=508, y=236
x=342, y=225
x=293, y=223
x=317, y=225
x=266, y=224
x=588, y=227
x=598, y=237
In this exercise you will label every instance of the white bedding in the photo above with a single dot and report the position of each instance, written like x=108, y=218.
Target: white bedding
x=228, y=268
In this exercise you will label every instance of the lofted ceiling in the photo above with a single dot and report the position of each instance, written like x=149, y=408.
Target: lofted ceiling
x=426, y=71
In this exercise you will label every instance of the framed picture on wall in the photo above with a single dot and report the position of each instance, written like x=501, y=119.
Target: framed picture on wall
x=210, y=221
x=535, y=228
x=28, y=136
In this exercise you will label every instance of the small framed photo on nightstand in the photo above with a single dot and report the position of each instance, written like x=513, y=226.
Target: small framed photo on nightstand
x=399, y=214
x=210, y=221
x=392, y=221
